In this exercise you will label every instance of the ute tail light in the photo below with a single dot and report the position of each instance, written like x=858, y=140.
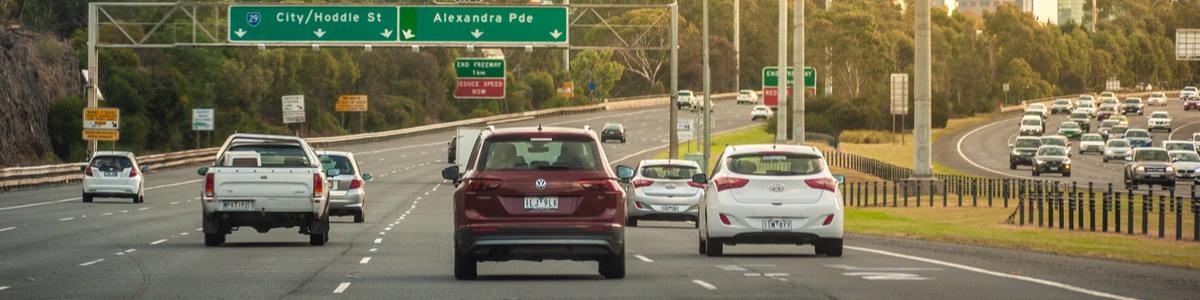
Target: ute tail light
x=481, y=185
x=725, y=183
x=133, y=172
x=637, y=183
x=208, y=186
x=600, y=185
x=356, y=183
x=87, y=171
x=318, y=186
x=725, y=219
x=828, y=184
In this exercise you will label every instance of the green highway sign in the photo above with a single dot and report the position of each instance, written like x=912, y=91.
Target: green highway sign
x=771, y=76
x=483, y=24
x=479, y=67
x=312, y=23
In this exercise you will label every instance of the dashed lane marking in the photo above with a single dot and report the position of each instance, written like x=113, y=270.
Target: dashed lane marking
x=373, y=250
x=144, y=208
x=643, y=258
x=1049, y=283
x=158, y=242
x=7, y=228
x=3, y=288
x=66, y=219
x=364, y=260
x=174, y=202
x=379, y=240
x=704, y=284
x=91, y=262
x=341, y=288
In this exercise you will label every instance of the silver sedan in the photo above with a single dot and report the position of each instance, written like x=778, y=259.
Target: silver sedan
x=663, y=190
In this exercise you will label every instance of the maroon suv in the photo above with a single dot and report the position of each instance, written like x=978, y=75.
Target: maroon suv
x=536, y=194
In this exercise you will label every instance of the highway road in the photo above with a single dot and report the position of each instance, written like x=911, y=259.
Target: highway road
x=54, y=246
x=983, y=149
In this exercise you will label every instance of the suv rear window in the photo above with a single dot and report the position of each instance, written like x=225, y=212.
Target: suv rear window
x=781, y=164
x=1028, y=143
x=668, y=172
x=276, y=156
x=515, y=154
x=110, y=163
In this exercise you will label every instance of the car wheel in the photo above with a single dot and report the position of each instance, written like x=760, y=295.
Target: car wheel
x=830, y=247
x=1012, y=166
x=138, y=199
x=214, y=239
x=87, y=198
x=702, y=247
x=714, y=248
x=1067, y=174
x=631, y=222
x=613, y=266
x=1106, y=160
x=319, y=239
x=1036, y=173
x=465, y=267
x=359, y=217
x=1169, y=187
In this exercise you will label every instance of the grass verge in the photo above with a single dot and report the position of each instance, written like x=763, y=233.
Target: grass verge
x=752, y=135
x=901, y=154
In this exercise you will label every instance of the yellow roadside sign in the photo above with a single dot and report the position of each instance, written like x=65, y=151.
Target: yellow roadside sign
x=101, y=118
x=101, y=135
x=351, y=103
x=567, y=90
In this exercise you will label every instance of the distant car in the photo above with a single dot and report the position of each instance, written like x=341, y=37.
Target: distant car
x=1032, y=126
x=1106, y=126
x=1117, y=149
x=1070, y=130
x=760, y=112
x=1105, y=112
x=1150, y=166
x=1052, y=159
x=1082, y=119
x=1061, y=106
x=1121, y=120
x=1138, y=138
x=347, y=190
x=747, y=96
x=664, y=190
x=1190, y=103
x=1159, y=120
x=1117, y=132
x=683, y=99
x=1157, y=99
x=114, y=174
x=1082, y=98
x=1189, y=91
x=1108, y=94
x=1091, y=142
x=771, y=194
x=613, y=132
x=1132, y=105
x=1040, y=108
x=1186, y=163
x=1179, y=146
x=1021, y=151
x=1109, y=101
x=1056, y=140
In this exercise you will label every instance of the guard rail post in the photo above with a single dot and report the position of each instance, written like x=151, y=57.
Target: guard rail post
x=1106, y=207
x=1129, y=210
x=974, y=184
x=1146, y=212
x=991, y=189
x=905, y=186
x=1178, y=219
x=1092, y=207
x=875, y=194
x=932, y=192
x=1071, y=199
x=885, y=193
x=895, y=193
x=1006, y=191
x=945, y=190
x=1161, y=216
x=1195, y=220
x=1172, y=199
x=1041, y=205
x=1021, y=207
x=1060, y=202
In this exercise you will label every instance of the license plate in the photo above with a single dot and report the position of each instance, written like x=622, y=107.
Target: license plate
x=1155, y=175
x=237, y=204
x=671, y=208
x=541, y=203
x=1053, y=168
x=110, y=174
x=777, y=225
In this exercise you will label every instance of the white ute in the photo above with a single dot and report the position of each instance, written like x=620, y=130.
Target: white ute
x=265, y=182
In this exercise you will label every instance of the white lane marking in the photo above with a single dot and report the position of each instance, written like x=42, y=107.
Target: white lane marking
x=1049, y=283
x=385, y=229
x=643, y=258
x=106, y=214
x=3, y=288
x=7, y=228
x=364, y=260
x=130, y=250
x=382, y=232
x=183, y=233
x=144, y=208
x=1176, y=129
x=373, y=250
x=199, y=229
x=964, y=155
x=706, y=285
x=91, y=262
x=853, y=268
x=379, y=240
x=886, y=276
x=158, y=242
x=398, y=148
x=731, y=267
x=341, y=288
x=174, y=203
x=66, y=219
x=173, y=184
x=125, y=211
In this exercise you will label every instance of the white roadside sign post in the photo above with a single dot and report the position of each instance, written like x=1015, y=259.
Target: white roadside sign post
x=1187, y=44
x=203, y=120
x=685, y=130
x=899, y=99
x=293, y=109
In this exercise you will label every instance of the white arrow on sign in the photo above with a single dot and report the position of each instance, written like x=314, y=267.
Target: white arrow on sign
x=408, y=34
x=555, y=34
x=387, y=33
x=240, y=32
x=477, y=33
x=320, y=33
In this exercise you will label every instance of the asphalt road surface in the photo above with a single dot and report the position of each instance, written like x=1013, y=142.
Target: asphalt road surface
x=54, y=246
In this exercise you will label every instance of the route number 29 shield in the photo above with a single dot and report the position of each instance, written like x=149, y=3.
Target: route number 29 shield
x=253, y=18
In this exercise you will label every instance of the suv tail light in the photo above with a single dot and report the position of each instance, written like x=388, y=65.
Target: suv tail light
x=318, y=186
x=208, y=186
x=600, y=185
x=828, y=184
x=87, y=171
x=725, y=219
x=725, y=183
x=637, y=183
x=132, y=172
x=354, y=184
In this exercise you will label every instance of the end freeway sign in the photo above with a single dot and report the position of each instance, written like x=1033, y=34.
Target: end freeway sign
x=311, y=23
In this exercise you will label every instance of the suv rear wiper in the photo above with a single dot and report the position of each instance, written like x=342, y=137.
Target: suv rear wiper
x=784, y=173
x=553, y=168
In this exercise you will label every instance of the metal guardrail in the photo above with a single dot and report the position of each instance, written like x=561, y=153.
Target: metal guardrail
x=15, y=177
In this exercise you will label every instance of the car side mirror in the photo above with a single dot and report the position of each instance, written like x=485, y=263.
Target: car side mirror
x=625, y=173
x=145, y=169
x=840, y=179
x=700, y=178
x=367, y=177
x=333, y=172
x=450, y=173
x=202, y=171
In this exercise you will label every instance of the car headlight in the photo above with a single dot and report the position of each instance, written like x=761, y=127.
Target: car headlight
x=1037, y=161
x=1067, y=161
x=1141, y=169
x=1170, y=169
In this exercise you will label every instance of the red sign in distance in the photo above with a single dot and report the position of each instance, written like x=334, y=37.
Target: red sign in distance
x=479, y=88
x=771, y=95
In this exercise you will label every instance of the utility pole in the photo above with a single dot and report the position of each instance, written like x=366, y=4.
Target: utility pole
x=737, y=45
x=922, y=162
x=93, y=67
x=1094, y=14
x=800, y=86
x=707, y=109
x=674, y=139
x=781, y=124
x=566, y=52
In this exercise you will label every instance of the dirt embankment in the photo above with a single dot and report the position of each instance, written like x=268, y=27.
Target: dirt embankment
x=35, y=70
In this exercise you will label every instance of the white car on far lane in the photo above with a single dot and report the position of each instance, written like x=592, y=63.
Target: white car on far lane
x=1159, y=120
x=747, y=96
x=1179, y=146
x=1189, y=91
x=771, y=194
x=1157, y=99
x=760, y=112
x=1091, y=142
x=1186, y=163
x=113, y=174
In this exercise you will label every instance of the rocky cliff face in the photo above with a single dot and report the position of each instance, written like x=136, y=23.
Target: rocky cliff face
x=35, y=70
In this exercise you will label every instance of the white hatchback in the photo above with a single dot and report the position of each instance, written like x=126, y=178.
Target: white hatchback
x=113, y=174
x=771, y=194
x=760, y=112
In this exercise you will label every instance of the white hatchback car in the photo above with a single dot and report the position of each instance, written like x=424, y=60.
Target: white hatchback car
x=663, y=190
x=747, y=96
x=113, y=174
x=771, y=194
x=760, y=112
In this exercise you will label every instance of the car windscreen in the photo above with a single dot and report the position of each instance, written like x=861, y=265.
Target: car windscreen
x=1092, y=137
x=1185, y=156
x=1132, y=101
x=1030, y=122
x=1180, y=146
x=612, y=127
x=775, y=164
x=1037, y=106
x=1053, y=142
x=1052, y=151
x=1118, y=143
x=1158, y=116
x=1151, y=155
x=1137, y=134
x=747, y=93
x=668, y=172
x=1079, y=115
x=1109, y=123
x=1069, y=125
x=276, y=156
x=1028, y=143
x=1062, y=102
x=517, y=154
x=111, y=163
x=341, y=163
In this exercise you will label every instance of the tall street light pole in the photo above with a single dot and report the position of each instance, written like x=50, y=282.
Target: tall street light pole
x=923, y=161
x=799, y=86
x=674, y=44
x=707, y=109
x=737, y=45
x=781, y=124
